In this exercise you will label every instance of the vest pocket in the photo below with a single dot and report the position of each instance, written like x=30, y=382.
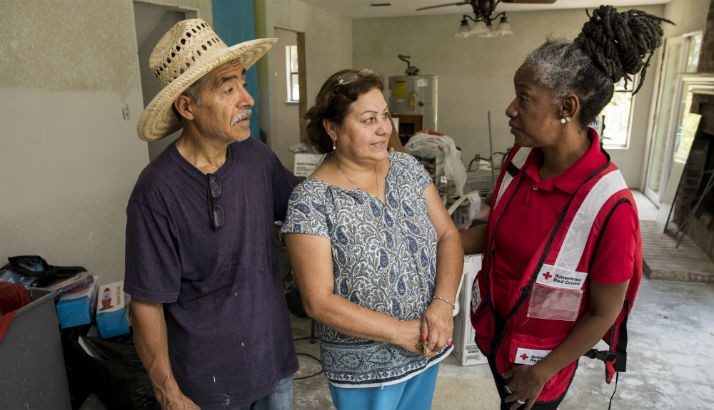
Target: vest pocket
x=556, y=294
x=553, y=303
x=528, y=350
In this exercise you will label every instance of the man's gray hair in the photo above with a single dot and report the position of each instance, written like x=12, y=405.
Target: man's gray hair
x=192, y=91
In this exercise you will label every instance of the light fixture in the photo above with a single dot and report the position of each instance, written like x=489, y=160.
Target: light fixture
x=484, y=15
x=484, y=24
x=503, y=28
x=480, y=27
x=464, y=29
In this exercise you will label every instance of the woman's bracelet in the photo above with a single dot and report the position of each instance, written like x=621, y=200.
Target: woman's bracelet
x=453, y=305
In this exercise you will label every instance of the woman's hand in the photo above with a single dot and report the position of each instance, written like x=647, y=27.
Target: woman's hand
x=525, y=385
x=407, y=336
x=438, y=326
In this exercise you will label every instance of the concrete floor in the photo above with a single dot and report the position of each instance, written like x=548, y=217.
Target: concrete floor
x=670, y=364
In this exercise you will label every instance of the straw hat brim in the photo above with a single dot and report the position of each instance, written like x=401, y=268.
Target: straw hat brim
x=158, y=118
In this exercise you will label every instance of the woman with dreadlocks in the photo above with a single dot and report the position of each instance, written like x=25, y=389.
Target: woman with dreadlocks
x=562, y=248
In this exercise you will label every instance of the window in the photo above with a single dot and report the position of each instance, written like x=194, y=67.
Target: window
x=613, y=123
x=291, y=74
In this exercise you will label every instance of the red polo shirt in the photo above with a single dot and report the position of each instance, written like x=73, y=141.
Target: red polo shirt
x=532, y=213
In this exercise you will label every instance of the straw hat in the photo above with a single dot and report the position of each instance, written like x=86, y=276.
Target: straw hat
x=187, y=52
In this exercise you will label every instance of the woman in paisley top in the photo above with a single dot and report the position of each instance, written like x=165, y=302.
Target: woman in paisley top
x=376, y=256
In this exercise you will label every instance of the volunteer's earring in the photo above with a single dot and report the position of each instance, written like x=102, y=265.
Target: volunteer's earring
x=333, y=145
x=564, y=120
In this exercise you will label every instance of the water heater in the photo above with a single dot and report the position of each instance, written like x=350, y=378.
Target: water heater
x=413, y=99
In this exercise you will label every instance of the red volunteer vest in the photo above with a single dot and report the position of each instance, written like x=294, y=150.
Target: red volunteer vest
x=552, y=296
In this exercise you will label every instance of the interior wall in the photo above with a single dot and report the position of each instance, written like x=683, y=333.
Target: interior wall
x=476, y=74
x=328, y=48
x=69, y=158
x=688, y=15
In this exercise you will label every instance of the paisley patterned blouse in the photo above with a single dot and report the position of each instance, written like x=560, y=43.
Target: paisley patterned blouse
x=384, y=258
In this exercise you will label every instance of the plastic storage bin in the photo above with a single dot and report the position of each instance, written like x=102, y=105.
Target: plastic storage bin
x=32, y=372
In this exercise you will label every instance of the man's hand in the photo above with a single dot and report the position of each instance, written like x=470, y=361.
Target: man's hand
x=152, y=347
x=177, y=401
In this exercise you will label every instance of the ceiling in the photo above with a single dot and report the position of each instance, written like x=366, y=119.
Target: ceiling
x=361, y=8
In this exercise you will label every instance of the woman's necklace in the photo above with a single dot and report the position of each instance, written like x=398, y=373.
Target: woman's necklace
x=376, y=181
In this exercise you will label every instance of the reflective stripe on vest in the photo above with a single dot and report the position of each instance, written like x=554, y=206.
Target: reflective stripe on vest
x=518, y=160
x=579, y=231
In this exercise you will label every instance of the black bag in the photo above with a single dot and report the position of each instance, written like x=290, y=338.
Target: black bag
x=34, y=271
x=116, y=375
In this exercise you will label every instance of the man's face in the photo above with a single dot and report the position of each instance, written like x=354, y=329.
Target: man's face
x=224, y=111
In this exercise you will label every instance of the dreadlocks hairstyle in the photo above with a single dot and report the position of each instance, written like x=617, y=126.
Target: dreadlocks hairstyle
x=610, y=46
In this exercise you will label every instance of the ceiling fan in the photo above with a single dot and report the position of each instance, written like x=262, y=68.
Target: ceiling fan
x=484, y=15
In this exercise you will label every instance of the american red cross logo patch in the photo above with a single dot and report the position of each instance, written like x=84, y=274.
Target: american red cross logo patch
x=524, y=356
x=547, y=275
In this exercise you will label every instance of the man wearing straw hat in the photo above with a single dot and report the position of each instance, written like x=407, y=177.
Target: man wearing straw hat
x=209, y=316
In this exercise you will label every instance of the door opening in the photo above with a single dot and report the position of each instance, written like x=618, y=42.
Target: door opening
x=151, y=22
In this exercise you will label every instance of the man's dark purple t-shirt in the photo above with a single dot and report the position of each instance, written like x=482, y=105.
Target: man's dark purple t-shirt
x=228, y=329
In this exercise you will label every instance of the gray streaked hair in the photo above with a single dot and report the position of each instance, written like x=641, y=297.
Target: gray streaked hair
x=192, y=90
x=564, y=68
x=556, y=65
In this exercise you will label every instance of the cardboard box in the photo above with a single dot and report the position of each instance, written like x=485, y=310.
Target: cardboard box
x=111, y=310
x=465, y=349
x=306, y=164
x=76, y=307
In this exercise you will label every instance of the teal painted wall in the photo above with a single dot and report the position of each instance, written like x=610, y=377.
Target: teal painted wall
x=234, y=21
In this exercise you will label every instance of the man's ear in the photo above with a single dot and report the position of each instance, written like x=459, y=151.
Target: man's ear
x=184, y=106
x=570, y=105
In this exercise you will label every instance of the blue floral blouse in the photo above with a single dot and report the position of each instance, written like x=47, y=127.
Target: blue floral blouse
x=384, y=258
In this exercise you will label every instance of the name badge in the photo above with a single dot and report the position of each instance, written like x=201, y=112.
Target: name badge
x=561, y=278
x=530, y=356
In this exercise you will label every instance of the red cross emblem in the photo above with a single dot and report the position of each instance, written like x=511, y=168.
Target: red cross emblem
x=524, y=356
x=547, y=275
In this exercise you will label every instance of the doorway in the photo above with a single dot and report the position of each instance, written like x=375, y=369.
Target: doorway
x=288, y=126
x=681, y=55
x=151, y=22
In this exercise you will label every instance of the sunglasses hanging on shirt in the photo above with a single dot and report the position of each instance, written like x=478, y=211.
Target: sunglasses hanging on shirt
x=215, y=211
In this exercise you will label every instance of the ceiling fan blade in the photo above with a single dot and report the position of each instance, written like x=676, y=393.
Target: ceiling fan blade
x=461, y=3
x=529, y=1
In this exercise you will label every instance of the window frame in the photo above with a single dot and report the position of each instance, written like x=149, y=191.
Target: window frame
x=608, y=143
x=292, y=77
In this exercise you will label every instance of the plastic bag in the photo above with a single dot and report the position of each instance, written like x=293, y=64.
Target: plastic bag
x=465, y=210
x=111, y=369
x=34, y=271
x=425, y=145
